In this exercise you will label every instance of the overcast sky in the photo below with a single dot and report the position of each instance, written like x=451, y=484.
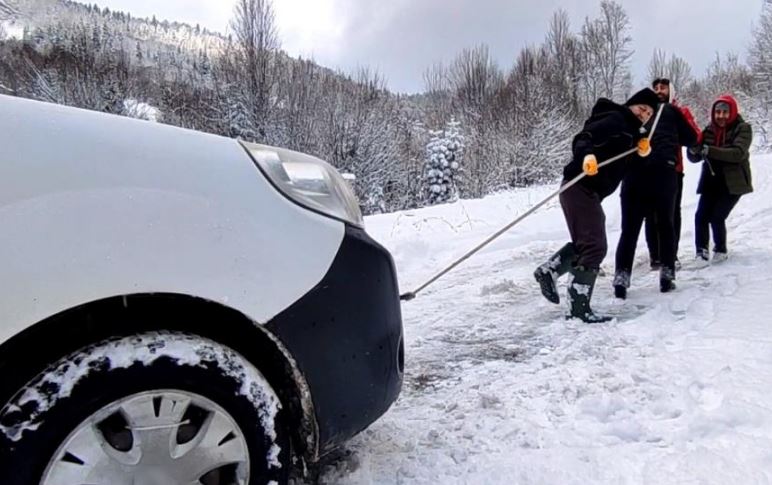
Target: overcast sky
x=401, y=38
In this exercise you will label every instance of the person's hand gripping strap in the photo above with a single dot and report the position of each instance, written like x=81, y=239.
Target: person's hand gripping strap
x=644, y=147
x=590, y=165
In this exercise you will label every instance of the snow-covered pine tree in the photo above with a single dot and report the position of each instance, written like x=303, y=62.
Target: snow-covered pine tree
x=443, y=170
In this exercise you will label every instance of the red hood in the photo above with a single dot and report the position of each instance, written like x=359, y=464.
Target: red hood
x=733, y=109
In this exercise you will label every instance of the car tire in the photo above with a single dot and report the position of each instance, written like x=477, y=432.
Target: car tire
x=110, y=414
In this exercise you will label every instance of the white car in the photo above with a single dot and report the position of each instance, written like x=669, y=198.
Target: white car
x=180, y=308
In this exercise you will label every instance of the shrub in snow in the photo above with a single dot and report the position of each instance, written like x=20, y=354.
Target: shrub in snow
x=143, y=111
x=544, y=147
x=443, y=164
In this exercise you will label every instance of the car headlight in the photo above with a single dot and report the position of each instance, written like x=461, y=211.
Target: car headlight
x=308, y=181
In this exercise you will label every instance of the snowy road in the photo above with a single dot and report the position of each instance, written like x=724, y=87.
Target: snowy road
x=501, y=389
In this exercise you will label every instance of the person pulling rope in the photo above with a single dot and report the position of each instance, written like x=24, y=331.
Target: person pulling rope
x=610, y=128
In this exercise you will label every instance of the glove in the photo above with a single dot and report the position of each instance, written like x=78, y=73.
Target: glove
x=590, y=166
x=644, y=147
x=704, y=151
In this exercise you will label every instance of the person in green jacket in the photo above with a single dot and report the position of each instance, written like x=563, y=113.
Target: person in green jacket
x=726, y=175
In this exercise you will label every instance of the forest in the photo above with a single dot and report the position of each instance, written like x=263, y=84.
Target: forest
x=476, y=128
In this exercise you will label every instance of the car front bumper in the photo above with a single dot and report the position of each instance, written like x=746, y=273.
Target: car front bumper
x=346, y=337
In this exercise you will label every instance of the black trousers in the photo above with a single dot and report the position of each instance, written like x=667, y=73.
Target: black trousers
x=712, y=212
x=652, y=191
x=652, y=234
x=586, y=223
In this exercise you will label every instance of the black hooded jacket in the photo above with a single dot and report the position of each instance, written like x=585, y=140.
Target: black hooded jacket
x=610, y=130
x=673, y=132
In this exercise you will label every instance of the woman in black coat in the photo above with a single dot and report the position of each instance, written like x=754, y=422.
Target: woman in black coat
x=611, y=129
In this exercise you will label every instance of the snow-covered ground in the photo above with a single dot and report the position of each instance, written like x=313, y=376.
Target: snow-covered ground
x=500, y=388
x=11, y=30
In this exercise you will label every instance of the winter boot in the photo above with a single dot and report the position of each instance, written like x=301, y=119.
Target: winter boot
x=702, y=257
x=548, y=273
x=580, y=290
x=666, y=280
x=621, y=284
x=720, y=257
x=655, y=265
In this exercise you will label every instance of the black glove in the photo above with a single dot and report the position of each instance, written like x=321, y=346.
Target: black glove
x=700, y=150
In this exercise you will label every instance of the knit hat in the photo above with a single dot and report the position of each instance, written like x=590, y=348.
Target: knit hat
x=644, y=96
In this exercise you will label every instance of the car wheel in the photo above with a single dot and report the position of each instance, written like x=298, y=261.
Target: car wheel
x=156, y=409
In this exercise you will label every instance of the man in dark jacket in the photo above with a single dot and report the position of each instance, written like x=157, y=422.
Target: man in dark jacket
x=666, y=92
x=611, y=130
x=650, y=188
x=726, y=175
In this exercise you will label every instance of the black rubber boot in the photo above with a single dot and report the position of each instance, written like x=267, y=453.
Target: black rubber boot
x=621, y=284
x=548, y=273
x=667, y=280
x=580, y=290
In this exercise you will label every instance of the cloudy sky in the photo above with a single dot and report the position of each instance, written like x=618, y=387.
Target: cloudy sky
x=402, y=37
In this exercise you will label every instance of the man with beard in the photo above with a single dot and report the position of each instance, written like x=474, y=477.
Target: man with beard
x=650, y=190
x=666, y=92
x=611, y=130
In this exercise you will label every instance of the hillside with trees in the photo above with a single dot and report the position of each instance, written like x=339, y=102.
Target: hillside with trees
x=504, y=126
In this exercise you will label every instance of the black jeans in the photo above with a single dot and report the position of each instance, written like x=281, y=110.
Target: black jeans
x=586, y=223
x=652, y=192
x=712, y=212
x=652, y=234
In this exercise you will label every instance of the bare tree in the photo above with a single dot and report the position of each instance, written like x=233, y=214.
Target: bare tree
x=607, y=47
x=760, y=54
x=257, y=42
x=760, y=57
x=658, y=64
x=675, y=68
x=728, y=74
x=559, y=37
x=475, y=77
x=436, y=79
x=564, y=62
x=543, y=150
x=438, y=94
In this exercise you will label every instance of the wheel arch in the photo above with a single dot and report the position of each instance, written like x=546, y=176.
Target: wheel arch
x=30, y=352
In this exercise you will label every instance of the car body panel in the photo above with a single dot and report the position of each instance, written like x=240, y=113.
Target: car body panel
x=94, y=206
